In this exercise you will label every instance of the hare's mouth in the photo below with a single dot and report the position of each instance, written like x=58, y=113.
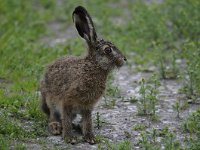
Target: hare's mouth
x=119, y=62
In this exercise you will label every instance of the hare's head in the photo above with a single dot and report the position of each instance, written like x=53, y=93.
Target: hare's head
x=106, y=54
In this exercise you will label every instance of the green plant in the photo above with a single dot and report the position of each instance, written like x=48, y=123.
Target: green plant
x=20, y=147
x=110, y=102
x=139, y=127
x=122, y=145
x=10, y=128
x=177, y=108
x=142, y=103
x=98, y=121
x=175, y=69
x=194, y=145
x=111, y=93
x=4, y=142
x=153, y=94
x=100, y=139
x=154, y=134
x=133, y=99
x=192, y=124
x=146, y=142
x=162, y=67
x=149, y=92
x=170, y=143
x=164, y=131
x=155, y=33
x=127, y=134
x=111, y=90
x=192, y=77
x=166, y=63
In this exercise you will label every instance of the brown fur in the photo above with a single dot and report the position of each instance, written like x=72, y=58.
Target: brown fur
x=73, y=85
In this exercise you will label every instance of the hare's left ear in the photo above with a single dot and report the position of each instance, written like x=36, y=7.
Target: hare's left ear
x=84, y=24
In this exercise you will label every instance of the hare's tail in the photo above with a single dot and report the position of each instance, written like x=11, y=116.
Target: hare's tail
x=43, y=104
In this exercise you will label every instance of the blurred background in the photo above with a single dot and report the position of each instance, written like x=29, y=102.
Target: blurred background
x=160, y=36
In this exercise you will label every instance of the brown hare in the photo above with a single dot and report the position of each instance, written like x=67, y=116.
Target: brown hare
x=73, y=85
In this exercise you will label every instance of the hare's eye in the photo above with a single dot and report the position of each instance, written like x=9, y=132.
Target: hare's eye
x=108, y=50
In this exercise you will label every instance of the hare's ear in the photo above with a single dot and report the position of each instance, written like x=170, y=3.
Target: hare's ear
x=84, y=24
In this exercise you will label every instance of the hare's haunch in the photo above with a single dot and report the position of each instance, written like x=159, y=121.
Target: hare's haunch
x=73, y=85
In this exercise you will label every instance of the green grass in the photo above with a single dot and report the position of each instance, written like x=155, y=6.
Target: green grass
x=123, y=145
x=149, y=141
x=146, y=104
x=156, y=33
x=139, y=127
x=192, y=126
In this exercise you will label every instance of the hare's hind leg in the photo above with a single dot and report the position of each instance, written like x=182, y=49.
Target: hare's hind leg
x=66, y=118
x=87, y=126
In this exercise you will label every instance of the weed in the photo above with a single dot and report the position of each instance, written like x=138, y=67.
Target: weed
x=20, y=147
x=148, y=141
x=154, y=134
x=122, y=145
x=167, y=67
x=170, y=143
x=98, y=121
x=139, y=127
x=112, y=92
x=191, y=81
x=127, y=134
x=10, y=128
x=192, y=77
x=109, y=102
x=175, y=69
x=194, y=145
x=165, y=32
x=164, y=131
x=4, y=142
x=133, y=99
x=192, y=124
x=142, y=107
x=162, y=67
x=177, y=108
x=100, y=138
x=147, y=102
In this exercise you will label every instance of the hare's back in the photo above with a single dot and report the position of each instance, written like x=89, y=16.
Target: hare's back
x=60, y=74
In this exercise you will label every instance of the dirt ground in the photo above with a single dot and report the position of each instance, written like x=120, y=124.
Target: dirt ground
x=120, y=120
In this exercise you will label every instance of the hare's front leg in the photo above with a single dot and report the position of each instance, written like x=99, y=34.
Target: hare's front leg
x=66, y=118
x=87, y=126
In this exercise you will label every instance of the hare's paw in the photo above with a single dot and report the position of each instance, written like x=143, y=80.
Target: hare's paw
x=90, y=139
x=55, y=128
